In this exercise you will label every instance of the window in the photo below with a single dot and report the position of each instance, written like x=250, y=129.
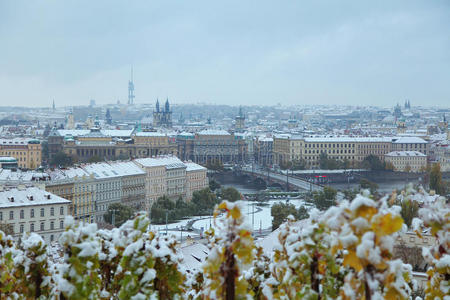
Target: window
x=42, y=212
x=42, y=226
x=61, y=210
x=1, y=216
x=52, y=211
x=11, y=214
x=21, y=228
x=52, y=225
x=32, y=213
x=32, y=227
x=22, y=213
x=51, y=238
x=61, y=224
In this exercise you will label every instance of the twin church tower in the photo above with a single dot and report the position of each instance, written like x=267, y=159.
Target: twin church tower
x=162, y=117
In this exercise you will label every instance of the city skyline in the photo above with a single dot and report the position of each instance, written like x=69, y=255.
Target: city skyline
x=239, y=53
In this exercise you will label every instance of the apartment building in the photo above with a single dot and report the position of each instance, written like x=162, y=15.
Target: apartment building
x=196, y=179
x=93, y=187
x=153, y=144
x=133, y=183
x=168, y=175
x=282, y=148
x=442, y=155
x=165, y=176
x=26, y=151
x=30, y=209
x=410, y=144
x=107, y=189
x=81, y=187
x=209, y=145
x=288, y=147
x=407, y=161
x=82, y=145
x=264, y=151
x=62, y=188
x=155, y=180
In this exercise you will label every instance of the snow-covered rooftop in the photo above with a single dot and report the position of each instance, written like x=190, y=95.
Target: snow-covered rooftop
x=170, y=162
x=7, y=159
x=406, y=153
x=194, y=256
x=15, y=141
x=28, y=196
x=106, y=132
x=213, y=132
x=185, y=133
x=149, y=133
x=7, y=175
x=265, y=139
x=74, y=132
x=408, y=140
x=190, y=166
x=100, y=170
x=348, y=139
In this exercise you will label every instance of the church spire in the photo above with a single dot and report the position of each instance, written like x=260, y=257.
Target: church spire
x=167, y=108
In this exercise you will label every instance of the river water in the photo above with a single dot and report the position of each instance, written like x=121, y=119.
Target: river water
x=383, y=187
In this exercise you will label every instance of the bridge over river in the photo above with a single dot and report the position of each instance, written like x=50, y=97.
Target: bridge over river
x=284, y=180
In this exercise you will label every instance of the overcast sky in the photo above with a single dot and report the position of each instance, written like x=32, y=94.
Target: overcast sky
x=232, y=52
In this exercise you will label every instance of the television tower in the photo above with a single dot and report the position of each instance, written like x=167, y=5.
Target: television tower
x=131, y=89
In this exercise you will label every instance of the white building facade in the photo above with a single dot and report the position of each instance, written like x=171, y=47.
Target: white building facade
x=196, y=179
x=168, y=175
x=407, y=161
x=30, y=209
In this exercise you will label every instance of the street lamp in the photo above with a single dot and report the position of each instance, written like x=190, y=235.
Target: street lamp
x=113, y=216
x=150, y=216
x=167, y=213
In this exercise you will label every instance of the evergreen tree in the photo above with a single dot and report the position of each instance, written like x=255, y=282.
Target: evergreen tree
x=280, y=211
x=121, y=213
x=230, y=194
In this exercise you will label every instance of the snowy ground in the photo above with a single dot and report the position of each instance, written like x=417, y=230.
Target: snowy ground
x=262, y=219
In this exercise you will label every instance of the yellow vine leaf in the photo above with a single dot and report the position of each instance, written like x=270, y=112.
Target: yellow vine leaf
x=222, y=205
x=387, y=224
x=366, y=212
x=393, y=294
x=352, y=260
x=235, y=212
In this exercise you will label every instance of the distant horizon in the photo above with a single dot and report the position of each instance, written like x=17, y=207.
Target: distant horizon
x=230, y=105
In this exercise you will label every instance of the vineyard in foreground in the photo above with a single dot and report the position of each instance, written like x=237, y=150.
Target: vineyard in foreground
x=345, y=252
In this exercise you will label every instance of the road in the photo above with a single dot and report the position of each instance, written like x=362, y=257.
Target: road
x=301, y=184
